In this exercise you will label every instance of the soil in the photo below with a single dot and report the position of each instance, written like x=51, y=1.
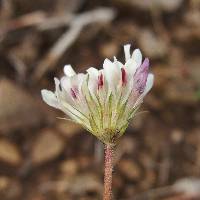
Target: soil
x=43, y=157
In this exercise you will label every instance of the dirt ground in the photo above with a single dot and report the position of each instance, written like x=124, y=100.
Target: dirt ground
x=46, y=158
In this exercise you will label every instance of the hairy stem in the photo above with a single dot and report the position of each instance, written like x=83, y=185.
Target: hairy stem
x=108, y=167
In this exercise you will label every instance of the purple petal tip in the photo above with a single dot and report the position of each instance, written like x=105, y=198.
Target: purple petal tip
x=145, y=63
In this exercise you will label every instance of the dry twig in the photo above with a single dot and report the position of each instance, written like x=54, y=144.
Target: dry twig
x=19, y=66
x=29, y=19
x=101, y=15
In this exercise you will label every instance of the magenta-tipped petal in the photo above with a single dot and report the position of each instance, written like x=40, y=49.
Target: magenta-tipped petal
x=140, y=77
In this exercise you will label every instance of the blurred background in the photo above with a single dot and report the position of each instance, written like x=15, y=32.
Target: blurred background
x=43, y=157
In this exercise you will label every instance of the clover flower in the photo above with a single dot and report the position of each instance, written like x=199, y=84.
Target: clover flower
x=103, y=101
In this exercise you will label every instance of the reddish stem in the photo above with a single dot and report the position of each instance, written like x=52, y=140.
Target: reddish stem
x=108, y=172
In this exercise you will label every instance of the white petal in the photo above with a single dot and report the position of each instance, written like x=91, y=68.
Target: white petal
x=112, y=74
x=117, y=63
x=66, y=83
x=60, y=92
x=78, y=80
x=127, y=52
x=63, y=92
x=149, y=83
x=69, y=71
x=50, y=98
x=57, y=83
x=131, y=67
x=93, y=80
x=93, y=72
x=75, y=81
x=137, y=56
x=67, y=101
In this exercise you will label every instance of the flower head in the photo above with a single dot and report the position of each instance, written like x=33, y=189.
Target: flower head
x=103, y=101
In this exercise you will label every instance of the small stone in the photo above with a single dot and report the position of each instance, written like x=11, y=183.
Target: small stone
x=9, y=153
x=192, y=17
x=47, y=146
x=10, y=188
x=85, y=183
x=177, y=136
x=68, y=128
x=190, y=187
x=4, y=182
x=129, y=169
x=19, y=109
x=69, y=167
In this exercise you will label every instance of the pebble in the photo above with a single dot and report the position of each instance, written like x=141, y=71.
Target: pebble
x=9, y=153
x=46, y=147
x=19, y=110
